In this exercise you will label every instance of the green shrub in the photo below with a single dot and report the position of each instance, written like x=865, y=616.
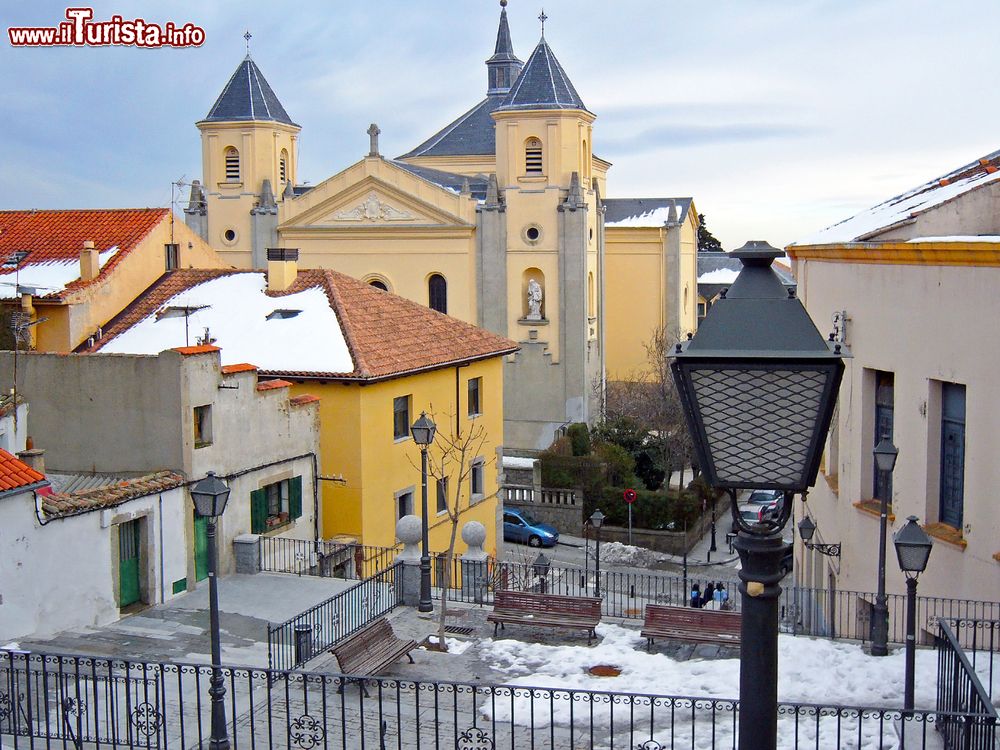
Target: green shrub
x=579, y=438
x=619, y=466
x=651, y=510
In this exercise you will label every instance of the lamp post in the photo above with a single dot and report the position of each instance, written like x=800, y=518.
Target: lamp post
x=807, y=528
x=758, y=385
x=541, y=567
x=423, y=435
x=712, y=547
x=597, y=520
x=885, y=461
x=913, y=549
x=210, y=496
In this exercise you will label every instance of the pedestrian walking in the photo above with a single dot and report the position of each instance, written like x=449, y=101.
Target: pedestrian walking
x=695, y=600
x=721, y=596
x=706, y=594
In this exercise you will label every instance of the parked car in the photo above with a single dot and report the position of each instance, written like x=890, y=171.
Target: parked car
x=750, y=514
x=520, y=526
x=765, y=497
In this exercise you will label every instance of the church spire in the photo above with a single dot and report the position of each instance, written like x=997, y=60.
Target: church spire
x=504, y=66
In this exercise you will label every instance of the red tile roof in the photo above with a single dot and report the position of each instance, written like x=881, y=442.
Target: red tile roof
x=270, y=385
x=74, y=503
x=240, y=367
x=14, y=473
x=59, y=235
x=200, y=349
x=305, y=398
x=387, y=335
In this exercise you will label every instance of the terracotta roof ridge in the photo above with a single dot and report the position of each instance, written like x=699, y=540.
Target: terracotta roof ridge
x=74, y=503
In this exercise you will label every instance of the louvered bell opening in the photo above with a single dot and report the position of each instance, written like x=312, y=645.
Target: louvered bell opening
x=759, y=426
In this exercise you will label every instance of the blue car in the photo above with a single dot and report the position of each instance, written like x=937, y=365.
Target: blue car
x=519, y=526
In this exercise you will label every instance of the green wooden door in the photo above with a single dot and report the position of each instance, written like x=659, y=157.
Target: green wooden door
x=128, y=563
x=200, y=548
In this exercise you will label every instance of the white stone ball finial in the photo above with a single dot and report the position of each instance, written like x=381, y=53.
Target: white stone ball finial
x=474, y=535
x=408, y=531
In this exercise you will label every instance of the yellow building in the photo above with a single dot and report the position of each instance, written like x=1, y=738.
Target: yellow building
x=497, y=219
x=68, y=272
x=374, y=360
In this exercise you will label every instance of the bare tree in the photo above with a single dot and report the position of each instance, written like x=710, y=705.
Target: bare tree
x=451, y=459
x=649, y=400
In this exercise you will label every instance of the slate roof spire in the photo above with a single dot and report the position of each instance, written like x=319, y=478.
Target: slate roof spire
x=248, y=96
x=543, y=84
x=504, y=66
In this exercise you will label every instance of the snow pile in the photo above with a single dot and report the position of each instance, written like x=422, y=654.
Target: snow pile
x=810, y=670
x=616, y=553
x=517, y=462
x=455, y=646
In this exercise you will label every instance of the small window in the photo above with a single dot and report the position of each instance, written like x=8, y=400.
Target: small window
x=702, y=310
x=283, y=167
x=477, y=480
x=404, y=504
x=442, y=495
x=379, y=285
x=401, y=418
x=475, y=397
x=275, y=504
x=533, y=156
x=232, y=165
x=437, y=293
x=884, y=405
x=202, y=426
x=171, y=254
x=951, y=510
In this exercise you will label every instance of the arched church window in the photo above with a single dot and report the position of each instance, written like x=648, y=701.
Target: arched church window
x=437, y=293
x=232, y=165
x=533, y=156
x=379, y=284
x=283, y=167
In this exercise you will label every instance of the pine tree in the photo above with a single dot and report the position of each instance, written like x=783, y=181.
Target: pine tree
x=706, y=240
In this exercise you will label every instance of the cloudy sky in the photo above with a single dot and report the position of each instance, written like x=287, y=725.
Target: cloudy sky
x=778, y=117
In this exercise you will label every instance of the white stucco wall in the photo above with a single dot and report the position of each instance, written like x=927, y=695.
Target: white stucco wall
x=14, y=431
x=925, y=324
x=61, y=575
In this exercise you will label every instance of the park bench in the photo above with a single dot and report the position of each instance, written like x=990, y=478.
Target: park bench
x=370, y=650
x=546, y=610
x=692, y=625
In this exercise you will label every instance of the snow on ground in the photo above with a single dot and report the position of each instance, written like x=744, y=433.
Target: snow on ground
x=810, y=670
x=455, y=646
x=616, y=553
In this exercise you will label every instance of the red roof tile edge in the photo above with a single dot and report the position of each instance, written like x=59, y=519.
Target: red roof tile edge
x=200, y=349
x=305, y=398
x=239, y=367
x=66, y=504
x=14, y=473
x=269, y=385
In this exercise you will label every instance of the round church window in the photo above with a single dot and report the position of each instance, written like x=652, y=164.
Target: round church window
x=532, y=233
x=229, y=236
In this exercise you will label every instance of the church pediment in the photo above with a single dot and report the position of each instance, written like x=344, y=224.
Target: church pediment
x=371, y=202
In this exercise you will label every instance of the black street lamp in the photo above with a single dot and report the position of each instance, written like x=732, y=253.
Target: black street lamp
x=885, y=461
x=758, y=385
x=542, y=567
x=210, y=496
x=807, y=528
x=597, y=520
x=913, y=549
x=423, y=435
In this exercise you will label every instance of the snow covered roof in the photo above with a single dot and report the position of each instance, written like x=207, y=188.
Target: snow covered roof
x=53, y=241
x=719, y=276
x=643, y=212
x=324, y=325
x=867, y=224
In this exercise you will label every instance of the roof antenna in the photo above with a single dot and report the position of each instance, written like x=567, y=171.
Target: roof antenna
x=543, y=18
x=248, y=36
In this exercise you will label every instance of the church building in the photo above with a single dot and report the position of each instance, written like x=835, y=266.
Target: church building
x=499, y=219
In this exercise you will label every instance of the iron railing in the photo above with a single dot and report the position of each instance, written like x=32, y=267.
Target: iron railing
x=64, y=701
x=295, y=641
x=970, y=719
x=328, y=559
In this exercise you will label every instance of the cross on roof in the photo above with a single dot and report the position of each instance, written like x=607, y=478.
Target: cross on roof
x=543, y=18
x=248, y=36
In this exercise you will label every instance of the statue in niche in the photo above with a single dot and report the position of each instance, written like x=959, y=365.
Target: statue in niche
x=534, y=300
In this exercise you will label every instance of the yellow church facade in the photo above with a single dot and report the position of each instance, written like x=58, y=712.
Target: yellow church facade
x=500, y=219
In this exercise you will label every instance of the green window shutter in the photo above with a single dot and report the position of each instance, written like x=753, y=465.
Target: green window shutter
x=295, y=497
x=258, y=511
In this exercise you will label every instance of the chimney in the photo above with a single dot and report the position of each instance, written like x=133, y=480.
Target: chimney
x=89, y=264
x=33, y=457
x=282, y=268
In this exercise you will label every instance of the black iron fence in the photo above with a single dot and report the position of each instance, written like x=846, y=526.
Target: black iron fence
x=324, y=558
x=66, y=701
x=970, y=717
x=293, y=642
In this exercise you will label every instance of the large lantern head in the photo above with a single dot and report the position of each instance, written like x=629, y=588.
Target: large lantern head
x=758, y=384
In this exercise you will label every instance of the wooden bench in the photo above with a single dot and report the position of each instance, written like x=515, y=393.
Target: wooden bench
x=692, y=625
x=546, y=610
x=371, y=649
